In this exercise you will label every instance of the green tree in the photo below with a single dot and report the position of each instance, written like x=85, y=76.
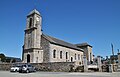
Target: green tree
x=2, y=56
x=14, y=60
x=7, y=60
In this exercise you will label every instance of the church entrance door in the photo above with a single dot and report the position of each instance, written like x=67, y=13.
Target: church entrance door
x=28, y=58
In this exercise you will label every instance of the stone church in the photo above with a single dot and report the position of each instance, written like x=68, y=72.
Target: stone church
x=41, y=48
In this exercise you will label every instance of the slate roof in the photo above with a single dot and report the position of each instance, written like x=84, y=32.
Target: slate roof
x=83, y=44
x=61, y=42
x=34, y=11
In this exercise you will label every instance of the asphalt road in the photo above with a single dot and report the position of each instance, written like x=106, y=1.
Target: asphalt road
x=59, y=74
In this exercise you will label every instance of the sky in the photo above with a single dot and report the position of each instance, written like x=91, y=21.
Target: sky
x=96, y=22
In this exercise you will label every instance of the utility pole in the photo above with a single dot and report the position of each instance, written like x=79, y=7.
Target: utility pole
x=113, y=57
x=118, y=50
x=112, y=52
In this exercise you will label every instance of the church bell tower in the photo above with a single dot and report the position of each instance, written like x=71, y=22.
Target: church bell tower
x=32, y=50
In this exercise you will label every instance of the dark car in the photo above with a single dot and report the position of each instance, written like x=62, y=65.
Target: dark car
x=27, y=68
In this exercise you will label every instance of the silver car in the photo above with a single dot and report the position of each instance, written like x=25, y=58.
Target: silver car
x=27, y=68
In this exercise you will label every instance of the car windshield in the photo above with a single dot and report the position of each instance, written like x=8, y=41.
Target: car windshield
x=18, y=66
x=29, y=66
x=23, y=65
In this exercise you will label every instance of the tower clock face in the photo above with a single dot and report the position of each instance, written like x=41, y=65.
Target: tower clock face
x=37, y=19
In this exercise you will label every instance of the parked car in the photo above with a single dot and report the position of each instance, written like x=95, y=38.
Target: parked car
x=27, y=68
x=15, y=68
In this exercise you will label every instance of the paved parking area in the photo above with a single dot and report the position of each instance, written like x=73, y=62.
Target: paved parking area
x=58, y=74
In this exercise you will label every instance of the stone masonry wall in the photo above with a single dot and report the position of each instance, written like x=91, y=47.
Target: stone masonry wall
x=45, y=47
x=74, y=54
x=5, y=66
x=56, y=66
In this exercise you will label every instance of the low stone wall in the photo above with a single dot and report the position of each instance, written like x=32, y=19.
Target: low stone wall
x=105, y=68
x=5, y=66
x=55, y=66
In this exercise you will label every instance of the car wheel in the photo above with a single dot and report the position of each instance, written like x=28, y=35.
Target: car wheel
x=27, y=71
x=16, y=70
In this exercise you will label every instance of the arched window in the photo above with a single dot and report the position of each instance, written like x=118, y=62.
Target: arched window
x=60, y=54
x=54, y=53
x=78, y=56
x=90, y=57
x=30, y=22
x=66, y=55
x=75, y=57
x=82, y=57
x=71, y=59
